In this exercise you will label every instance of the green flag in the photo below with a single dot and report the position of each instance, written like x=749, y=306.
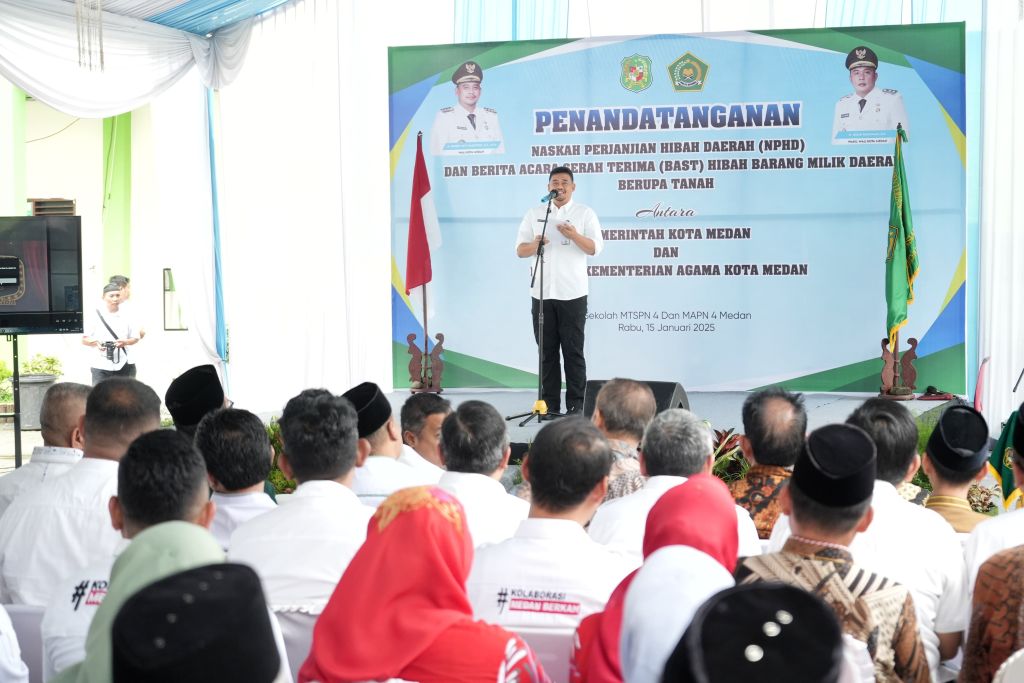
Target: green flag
x=901, y=265
x=1000, y=465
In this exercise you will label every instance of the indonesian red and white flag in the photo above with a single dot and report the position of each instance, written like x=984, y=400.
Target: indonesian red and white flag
x=424, y=231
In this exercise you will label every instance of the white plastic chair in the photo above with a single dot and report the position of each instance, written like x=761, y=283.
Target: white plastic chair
x=553, y=648
x=297, y=630
x=27, y=621
x=1012, y=670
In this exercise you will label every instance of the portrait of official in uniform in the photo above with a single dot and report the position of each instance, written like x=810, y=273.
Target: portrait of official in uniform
x=870, y=114
x=466, y=128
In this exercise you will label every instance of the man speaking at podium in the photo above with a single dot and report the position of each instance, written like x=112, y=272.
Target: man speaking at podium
x=573, y=234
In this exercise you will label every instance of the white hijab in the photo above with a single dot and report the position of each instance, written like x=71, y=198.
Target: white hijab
x=660, y=603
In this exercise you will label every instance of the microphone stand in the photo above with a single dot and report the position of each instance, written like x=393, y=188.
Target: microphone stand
x=540, y=406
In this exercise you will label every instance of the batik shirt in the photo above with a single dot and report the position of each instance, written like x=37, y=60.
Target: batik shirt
x=997, y=616
x=625, y=477
x=758, y=494
x=870, y=608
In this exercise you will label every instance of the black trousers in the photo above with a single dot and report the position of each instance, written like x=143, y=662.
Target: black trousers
x=100, y=375
x=563, y=330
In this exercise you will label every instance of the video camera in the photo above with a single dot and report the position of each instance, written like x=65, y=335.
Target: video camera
x=110, y=349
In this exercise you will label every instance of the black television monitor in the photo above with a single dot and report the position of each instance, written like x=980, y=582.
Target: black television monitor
x=40, y=275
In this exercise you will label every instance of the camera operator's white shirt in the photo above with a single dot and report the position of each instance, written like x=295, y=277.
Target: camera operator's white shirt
x=620, y=523
x=549, y=574
x=492, y=514
x=95, y=329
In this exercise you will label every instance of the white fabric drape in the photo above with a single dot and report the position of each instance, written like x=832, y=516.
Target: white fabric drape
x=1002, y=210
x=304, y=178
x=39, y=53
x=172, y=228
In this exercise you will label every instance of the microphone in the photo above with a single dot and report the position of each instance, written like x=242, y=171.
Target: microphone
x=549, y=196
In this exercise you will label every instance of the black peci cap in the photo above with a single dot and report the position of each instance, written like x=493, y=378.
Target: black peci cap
x=371, y=405
x=960, y=440
x=759, y=632
x=837, y=466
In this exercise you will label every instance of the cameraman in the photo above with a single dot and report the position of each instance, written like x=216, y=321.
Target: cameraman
x=109, y=334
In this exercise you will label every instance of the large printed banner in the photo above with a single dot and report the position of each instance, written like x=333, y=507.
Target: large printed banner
x=742, y=181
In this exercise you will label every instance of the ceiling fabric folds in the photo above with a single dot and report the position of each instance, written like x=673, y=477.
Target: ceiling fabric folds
x=39, y=53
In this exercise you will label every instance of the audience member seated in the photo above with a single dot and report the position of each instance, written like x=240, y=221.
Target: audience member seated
x=760, y=632
x=905, y=542
x=1006, y=530
x=161, y=478
x=63, y=524
x=475, y=450
x=955, y=457
x=301, y=549
x=12, y=668
x=401, y=609
x=192, y=395
x=550, y=573
x=380, y=474
x=676, y=445
x=997, y=616
x=828, y=501
x=774, y=422
x=60, y=418
x=238, y=456
x=700, y=515
x=225, y=635
x=422, y=415
x=155, y=553
x=622, y=411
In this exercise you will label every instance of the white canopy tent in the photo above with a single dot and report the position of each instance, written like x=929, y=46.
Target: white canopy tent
x=302, y=168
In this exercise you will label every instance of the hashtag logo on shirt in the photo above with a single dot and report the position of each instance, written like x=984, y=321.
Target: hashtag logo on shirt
x=79, y=593
x=502, y=599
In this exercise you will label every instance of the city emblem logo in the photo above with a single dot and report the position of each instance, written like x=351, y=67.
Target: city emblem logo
x=688, y=73
x=636, y=73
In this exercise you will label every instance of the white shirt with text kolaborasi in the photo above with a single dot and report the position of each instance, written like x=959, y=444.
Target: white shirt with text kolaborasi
x=301, y=548
x=493, y=515
x=549, y=574
x=59, y=527
x=914, y=546
x=565, y=264
x=46, y=463
x=620, y=523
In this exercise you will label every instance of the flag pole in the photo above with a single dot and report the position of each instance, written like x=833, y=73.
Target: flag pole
x=426, y=336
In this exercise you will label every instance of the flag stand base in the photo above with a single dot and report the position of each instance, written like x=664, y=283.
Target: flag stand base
x=898, y=386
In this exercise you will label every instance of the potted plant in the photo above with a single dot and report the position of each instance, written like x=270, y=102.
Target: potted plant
x=38, y=374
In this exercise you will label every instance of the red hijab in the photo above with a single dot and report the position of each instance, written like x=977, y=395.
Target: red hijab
x=699, y=513
x=403, y=588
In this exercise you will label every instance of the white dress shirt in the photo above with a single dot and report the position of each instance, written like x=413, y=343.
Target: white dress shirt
x=492, y=513
x=431, y=472
x=914, y=546
x=988, y=538
x=620, y=523
x=565, y=264
x=380, y=476
x=234, y=509
x=12, y=669
x=62, y=525
x=46, y=463
x=301, y=548
x=550, y=574
x=67, y=617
